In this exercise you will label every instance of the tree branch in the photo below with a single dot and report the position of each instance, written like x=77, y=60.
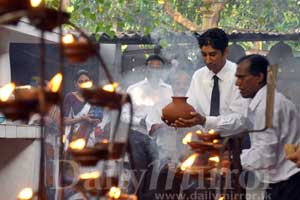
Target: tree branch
x=179, y=18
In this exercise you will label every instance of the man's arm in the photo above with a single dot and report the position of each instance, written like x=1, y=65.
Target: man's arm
x=262, y=154
x=264, y=145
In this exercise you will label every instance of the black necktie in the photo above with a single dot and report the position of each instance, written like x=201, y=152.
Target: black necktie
x=215, y=98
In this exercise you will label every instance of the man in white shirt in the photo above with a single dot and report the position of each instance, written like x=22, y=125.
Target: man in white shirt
x=149, y=96
x=212, y=91
x=266, y=156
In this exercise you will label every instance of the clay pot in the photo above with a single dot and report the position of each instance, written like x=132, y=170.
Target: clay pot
x=178, y=108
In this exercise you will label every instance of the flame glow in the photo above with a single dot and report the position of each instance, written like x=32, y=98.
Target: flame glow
x=68, y=39
x=110, y=87
x=214, y=159
x=114, y=192
x=211, y=131
x=215, y=141
x=105, y=141
x=55, y=82
x=221, y=198
x=198, y=132
x=188, y=162
x=6, y=91
x=87, y=84
x=90, y=175
x=35, y=3
x=25, y=194
x=78, y=144
x=187, y=138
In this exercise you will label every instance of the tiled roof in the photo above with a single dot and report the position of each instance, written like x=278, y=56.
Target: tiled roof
x=136, y=38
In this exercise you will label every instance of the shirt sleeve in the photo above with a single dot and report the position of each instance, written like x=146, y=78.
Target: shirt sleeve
x=228, y=125
x=235, y=120
x=262, y=154
x=191, y=94
x=137, y=112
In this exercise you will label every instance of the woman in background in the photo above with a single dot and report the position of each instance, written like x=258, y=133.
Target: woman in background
x=81, y=119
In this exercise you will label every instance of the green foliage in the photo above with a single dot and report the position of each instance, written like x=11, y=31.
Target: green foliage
x=267, y=15
x=96, y=16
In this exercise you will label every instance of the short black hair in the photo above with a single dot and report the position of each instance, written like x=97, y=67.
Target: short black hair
x=82, y=72
x=258, y=64
x=215, y=37
x=155, y=57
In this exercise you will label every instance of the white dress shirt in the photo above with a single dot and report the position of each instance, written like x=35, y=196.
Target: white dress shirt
x=148, y=101
x=266, y=157
x=232, y=105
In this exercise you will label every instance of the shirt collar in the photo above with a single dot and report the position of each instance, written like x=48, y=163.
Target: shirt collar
x=222, y=73
x=259, y=96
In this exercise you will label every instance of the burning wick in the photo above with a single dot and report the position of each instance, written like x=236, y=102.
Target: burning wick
x=89, y=175
x=87, y=84
x=211, y=131
x=215, y=141
x=55, y=82
x=6, y=91
x=114, y=192
x=35, y=3
x=104, y=141
x=25, y=194
x=221, y=198
x=68, y=39
x=187, y=138
x=198, y=132
x=110, y=87
x=214, y=159
x=77, y=144
x=188, y=162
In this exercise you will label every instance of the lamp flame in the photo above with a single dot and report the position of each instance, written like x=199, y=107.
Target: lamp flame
x=214, y=159
x=90, y=175
x=35, y=3
x=55, y=82
x=188, y=162
x=221, y=198
x=25, y=194
x=198, y=132
x=78, y=144
x=114, y=192
x=105, y=141
x=187, y=138
x=87, y=84
x=211, y=131
x=215, y=141
x=110, y=87
x=68, y=39
x=6, y=91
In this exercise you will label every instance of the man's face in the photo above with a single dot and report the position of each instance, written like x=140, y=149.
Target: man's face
x=154, y=71
x=154, y=64
x=247, y=83
x=213, y=58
